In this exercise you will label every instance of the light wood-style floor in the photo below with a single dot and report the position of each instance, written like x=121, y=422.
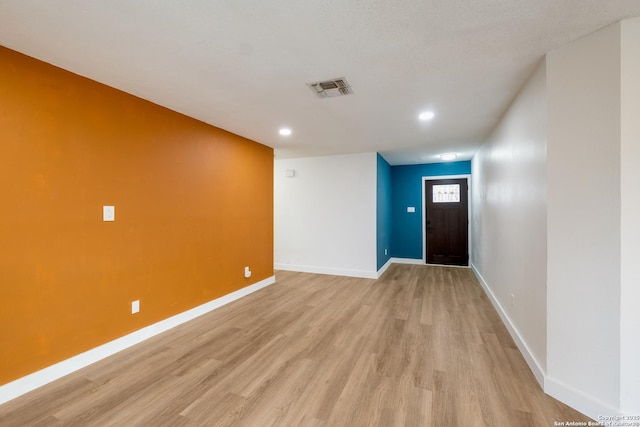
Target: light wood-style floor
x=422, y=346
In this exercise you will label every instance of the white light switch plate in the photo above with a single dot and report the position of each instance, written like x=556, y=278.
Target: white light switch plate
x=108, y=213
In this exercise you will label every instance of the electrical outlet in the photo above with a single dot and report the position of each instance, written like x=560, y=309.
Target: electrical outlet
x=135, y=306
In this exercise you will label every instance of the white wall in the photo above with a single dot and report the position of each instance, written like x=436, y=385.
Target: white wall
x=325, y=216
x=509, y=219
x=630, y=219
x=592, y=231
x=583, y=218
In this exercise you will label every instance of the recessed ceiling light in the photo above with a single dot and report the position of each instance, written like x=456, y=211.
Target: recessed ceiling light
x=448, y=156
x=426, y=115
x=285, y=131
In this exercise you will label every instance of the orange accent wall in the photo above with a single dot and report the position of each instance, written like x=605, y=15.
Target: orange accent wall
x=193, y=204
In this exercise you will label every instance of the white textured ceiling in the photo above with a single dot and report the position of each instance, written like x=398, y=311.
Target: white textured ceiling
x=242, y=65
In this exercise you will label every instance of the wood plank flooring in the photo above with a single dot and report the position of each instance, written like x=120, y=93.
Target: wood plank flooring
x=422, y=346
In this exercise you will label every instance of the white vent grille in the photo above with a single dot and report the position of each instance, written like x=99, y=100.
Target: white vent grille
x=331, y=88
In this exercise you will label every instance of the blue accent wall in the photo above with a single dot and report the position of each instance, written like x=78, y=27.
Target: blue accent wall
x=383, y=211
x=406, y=190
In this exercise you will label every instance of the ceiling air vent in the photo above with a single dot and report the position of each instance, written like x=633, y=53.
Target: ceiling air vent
x=331, y=88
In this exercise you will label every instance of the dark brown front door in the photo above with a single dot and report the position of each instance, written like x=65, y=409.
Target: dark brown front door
x=447, y=221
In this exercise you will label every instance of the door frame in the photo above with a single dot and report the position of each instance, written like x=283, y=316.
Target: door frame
x=424, y=214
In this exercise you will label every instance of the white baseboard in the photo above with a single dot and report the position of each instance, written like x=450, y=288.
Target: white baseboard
x=531, y=360
x=44, y=376
x=326, y=270
x=415, y=261
x=384, y=268
x=579, y=401
x=353, y=273
x=420, y=261
x=576, y=399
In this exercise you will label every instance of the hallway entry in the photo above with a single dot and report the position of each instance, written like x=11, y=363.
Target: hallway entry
x=447, y=221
